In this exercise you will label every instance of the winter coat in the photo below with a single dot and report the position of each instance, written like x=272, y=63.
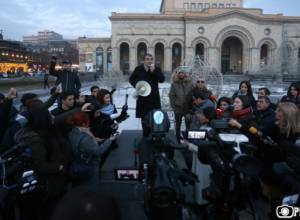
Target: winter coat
x=189, y=100
x=4, y=116
x=265, y=120
x=205, y=104
x=46, y=160
x=69, y=80
x=295, y=100
x=88, y=144
x=146, y=104
x=179, y=92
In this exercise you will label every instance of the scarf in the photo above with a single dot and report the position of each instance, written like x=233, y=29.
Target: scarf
x=241, y=113
x=108, y=110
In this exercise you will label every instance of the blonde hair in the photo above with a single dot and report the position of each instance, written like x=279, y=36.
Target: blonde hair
x=290, y=122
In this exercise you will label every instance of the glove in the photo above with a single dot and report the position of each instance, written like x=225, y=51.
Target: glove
x=124, y=109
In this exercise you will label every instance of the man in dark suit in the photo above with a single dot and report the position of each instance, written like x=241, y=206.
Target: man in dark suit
x=153, y=75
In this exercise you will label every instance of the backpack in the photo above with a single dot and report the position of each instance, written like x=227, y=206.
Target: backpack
x=81, y=167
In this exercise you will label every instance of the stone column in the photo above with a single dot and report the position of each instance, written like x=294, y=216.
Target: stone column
x=132, y=58
x=254, y=60
x=115, y=58
x=189, y=55
x=214, y=58
x=151, y=51
x=105, y=60
x=168, y=59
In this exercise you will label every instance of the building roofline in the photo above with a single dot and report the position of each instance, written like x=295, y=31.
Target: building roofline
x=93, y=39
x=205, y=15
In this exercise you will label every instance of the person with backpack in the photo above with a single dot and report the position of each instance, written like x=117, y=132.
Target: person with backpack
x=86, y=152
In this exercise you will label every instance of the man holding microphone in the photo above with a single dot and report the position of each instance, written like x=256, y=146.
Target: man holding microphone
x=153, y=75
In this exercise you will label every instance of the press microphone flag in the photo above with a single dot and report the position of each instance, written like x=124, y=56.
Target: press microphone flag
x=265, y=139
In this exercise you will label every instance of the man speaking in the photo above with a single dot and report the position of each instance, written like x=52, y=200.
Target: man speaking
x=152, y=75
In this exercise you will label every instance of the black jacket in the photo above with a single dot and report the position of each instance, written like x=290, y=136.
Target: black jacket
x=152, y=101
x=69, y=80
x=4, y=116
x=265, y=120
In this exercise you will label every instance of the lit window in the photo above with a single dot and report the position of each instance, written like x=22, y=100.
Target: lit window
x=186, y=5
x=207, y=5
x=228, y=5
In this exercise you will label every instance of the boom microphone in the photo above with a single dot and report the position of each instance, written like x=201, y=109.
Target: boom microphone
x=265, y=139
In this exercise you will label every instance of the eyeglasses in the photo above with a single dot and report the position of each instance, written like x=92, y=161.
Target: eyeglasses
x=200, y=81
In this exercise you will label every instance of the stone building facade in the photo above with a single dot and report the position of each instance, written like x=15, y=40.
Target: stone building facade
x=223, y=33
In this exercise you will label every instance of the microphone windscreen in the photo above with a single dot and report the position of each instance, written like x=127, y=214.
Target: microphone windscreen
x=253, y=130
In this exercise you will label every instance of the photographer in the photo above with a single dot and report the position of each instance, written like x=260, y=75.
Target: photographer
x=86, y=151
x=201, y=121
x=49, y=156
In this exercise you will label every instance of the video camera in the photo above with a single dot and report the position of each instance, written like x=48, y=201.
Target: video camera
x=17, y=178
x=16, y=174
x=166, y=182
x=232, y=160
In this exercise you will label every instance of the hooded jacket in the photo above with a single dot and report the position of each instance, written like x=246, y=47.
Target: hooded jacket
x=179, y=92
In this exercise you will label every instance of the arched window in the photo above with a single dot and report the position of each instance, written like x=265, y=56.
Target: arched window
x=109, y=59
x=159, y=55
x=99, y=60
x=176, y=55
x=264, y=54
x=141, y=51
x=200, y=51
x=232, y=55
x=124, y=58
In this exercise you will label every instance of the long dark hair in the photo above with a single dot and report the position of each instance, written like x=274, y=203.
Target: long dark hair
x=248, y=84
x=296, y=85
x=39, y=118
x=101, y=94
x=40, y=121
x=224, y=99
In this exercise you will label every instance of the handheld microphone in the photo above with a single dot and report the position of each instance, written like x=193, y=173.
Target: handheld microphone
x=265, y=139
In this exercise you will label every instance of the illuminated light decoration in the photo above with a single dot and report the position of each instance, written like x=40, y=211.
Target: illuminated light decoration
x=13, y=55
x=13, y=66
